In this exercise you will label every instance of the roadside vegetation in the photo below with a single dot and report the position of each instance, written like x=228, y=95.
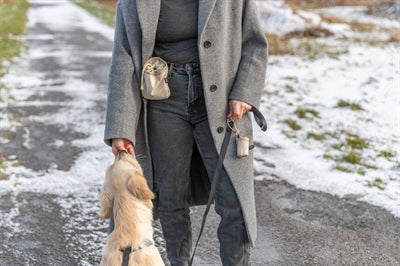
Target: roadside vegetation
x=347, y=149
x=305, y=43
x=102, y=9
x=324, y=3
x=13, y=14
x=13, y=17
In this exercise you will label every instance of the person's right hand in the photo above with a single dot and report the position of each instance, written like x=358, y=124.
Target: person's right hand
x=122, y=145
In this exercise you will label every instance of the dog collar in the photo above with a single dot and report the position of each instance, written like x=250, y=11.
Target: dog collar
x=130, y=249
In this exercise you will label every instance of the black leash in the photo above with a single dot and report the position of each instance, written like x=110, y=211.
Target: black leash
x=225, y=143
x=217, y=175
x=125, y=256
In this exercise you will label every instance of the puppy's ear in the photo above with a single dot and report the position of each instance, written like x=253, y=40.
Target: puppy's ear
x=106, y=205
x=137, y=185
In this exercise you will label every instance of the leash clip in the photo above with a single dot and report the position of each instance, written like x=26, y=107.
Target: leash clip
x=232, y=126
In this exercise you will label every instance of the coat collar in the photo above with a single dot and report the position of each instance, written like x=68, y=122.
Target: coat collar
x=205, y=9
x=149, y=11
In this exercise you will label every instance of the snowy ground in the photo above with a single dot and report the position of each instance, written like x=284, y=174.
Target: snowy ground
x=80, y=113
x=300, y=91
x=311, y=132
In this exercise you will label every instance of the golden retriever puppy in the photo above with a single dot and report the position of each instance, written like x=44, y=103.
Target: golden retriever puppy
x=126, y=195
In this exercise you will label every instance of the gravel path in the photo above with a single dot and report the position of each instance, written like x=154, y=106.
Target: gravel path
x=49, y=207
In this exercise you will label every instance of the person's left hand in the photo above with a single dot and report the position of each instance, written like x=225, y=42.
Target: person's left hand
x=237, y=109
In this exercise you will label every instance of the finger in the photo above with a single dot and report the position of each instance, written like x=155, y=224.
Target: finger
x=114, y=150
x=241, y=112
x=131, y=151
x=118, y=148
x=230, y=109
x=237, y=111
x=117, y=145
x=245, y=108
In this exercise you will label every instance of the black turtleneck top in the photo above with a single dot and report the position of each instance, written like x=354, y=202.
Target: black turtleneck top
x=176, y=39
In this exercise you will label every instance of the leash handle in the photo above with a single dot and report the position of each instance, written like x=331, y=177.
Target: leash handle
x=214, y=184
x=260, y=119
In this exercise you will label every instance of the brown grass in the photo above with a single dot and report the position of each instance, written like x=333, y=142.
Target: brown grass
x=316, y=32
x=362, y=27
x=395, y=37
x=301, y=4
x=279, y=45
x=356, y=26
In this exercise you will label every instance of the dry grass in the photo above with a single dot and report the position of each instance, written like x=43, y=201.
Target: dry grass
x=279, y=45
x=108, y=4
x=363, y=27
x=356, y=26
x=304, y=45
x=13, y=16
x=301, y=4
x=395, y=37
x=99, y=10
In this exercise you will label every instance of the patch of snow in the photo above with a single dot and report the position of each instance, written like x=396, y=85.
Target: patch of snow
x=7, y=218
x=80, y=185
x=57, y=143
x=359, y=14
x=365, y=75
x=278, y=18
x=311, y=18
x=65, y=16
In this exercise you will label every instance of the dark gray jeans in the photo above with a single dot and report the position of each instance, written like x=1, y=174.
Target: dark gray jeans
x=174, y=125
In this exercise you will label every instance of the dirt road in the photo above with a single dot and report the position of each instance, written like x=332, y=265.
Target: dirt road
x=49, y=206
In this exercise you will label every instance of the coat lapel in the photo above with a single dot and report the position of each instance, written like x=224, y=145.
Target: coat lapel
x=205, y=9
x=148, y=12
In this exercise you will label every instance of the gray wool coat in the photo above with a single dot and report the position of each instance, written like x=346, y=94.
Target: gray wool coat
x=233, y=57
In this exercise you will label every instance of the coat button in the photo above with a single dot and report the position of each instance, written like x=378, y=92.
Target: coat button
x=213, y=88
x=220, y=129
x=207, y=44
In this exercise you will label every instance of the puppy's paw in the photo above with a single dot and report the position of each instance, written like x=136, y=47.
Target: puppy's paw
x=106, y=205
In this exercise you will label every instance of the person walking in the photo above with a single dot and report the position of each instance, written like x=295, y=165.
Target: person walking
x=217, y=58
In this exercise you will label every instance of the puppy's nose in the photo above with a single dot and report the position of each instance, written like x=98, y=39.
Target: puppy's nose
x=121, y=153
